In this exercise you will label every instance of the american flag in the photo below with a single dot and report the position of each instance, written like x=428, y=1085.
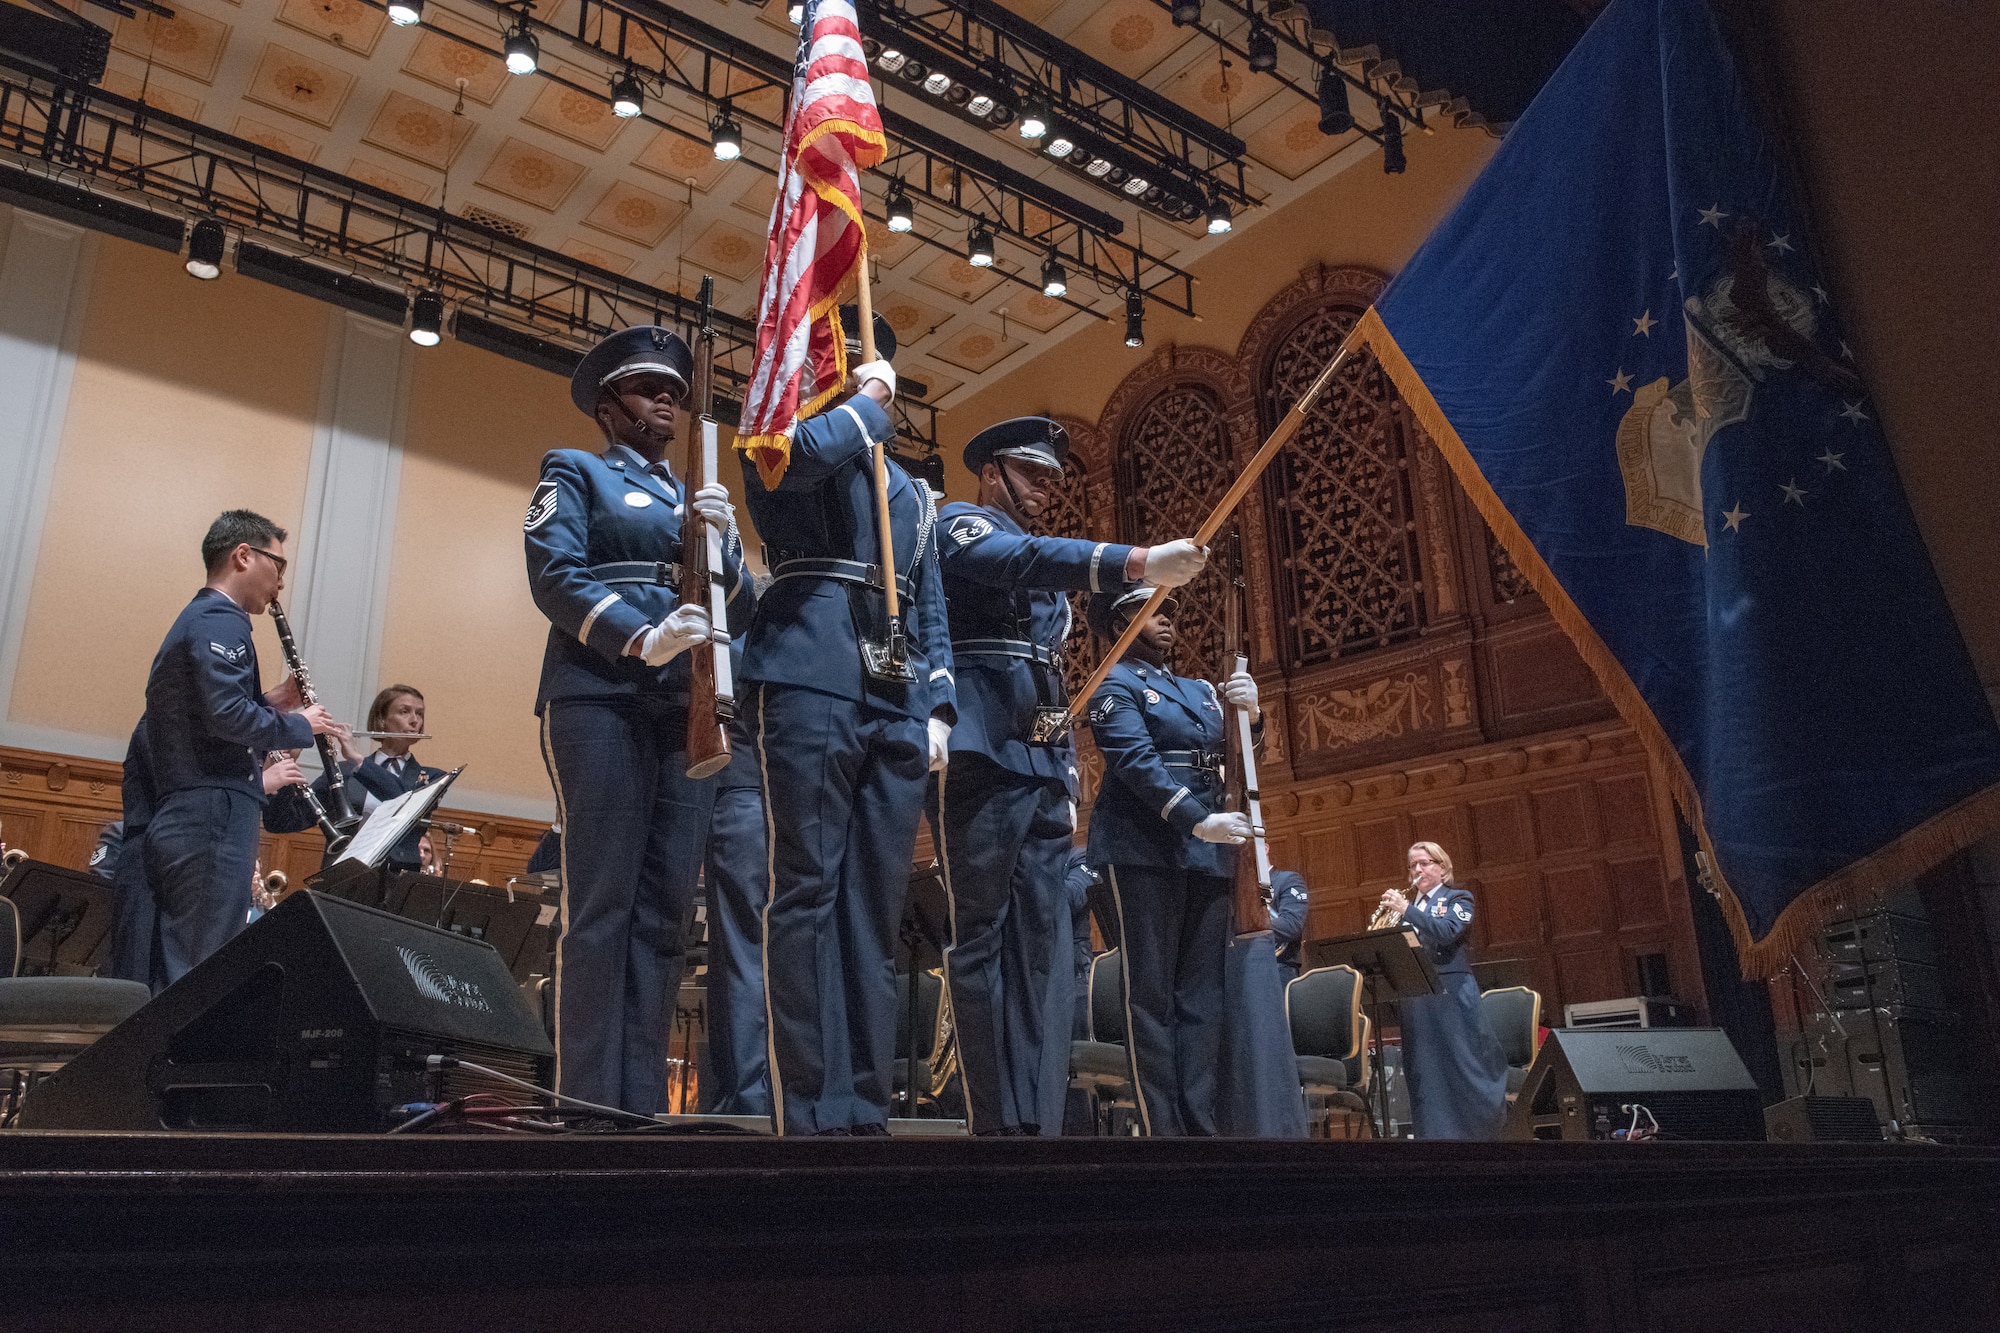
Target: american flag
x=832, y=134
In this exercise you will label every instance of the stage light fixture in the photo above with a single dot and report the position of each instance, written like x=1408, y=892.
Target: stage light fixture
x=1393, y=161
x=1186, y=13
x=1219, y=220
x=523, y=52
x=1263, y=46
x=1035, y=120
x=1334, y=116
x=1135, y=318
x=1054, y=281
x=1137, y=186
x=979, y=245
x=938, y=84
x=890, y=60
x=427, y=318
x=902, y=216
x=205, y=243
x=725, y=135
x=627, y=98
x=403, y=13
x=1058, y=146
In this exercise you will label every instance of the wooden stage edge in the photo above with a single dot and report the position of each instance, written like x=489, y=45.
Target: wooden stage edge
x=165, y=1231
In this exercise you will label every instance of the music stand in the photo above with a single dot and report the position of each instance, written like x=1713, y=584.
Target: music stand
x=65, y=917
x=1393, y=967
x=1501, y=974
x=921, y=941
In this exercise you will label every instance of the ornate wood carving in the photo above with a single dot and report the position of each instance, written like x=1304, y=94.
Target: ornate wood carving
x=1174, y=462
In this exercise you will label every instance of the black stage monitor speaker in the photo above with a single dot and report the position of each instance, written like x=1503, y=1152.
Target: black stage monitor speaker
x=318, y=1018
x=1584, y=1084
x=1823, y=1120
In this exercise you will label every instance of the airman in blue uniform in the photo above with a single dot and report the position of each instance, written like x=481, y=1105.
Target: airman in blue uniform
x=208, y=726
x=1161, y=838
x=1077, y=882
x=737, y=1080
x=1288, y=918
x=1007, y=800
x=845, y=748
x=392, y=770
x=603, y=540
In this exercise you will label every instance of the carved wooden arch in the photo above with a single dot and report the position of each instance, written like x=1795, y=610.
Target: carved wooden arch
x=1317, y=285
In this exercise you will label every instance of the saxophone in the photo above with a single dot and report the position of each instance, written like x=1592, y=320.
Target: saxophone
x=337, y=825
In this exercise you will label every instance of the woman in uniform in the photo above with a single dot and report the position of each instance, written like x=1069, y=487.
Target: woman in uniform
x=1166, y=848
x=1457, y=1072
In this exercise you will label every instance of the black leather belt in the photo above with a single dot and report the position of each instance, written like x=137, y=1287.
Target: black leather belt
x=1033, y=652
x=841, y=571
x=1206, y=760
x=662, y=572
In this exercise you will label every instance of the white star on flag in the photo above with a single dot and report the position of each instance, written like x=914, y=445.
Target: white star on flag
x=1793, y=495
x=1712, y=216
x=1832, y=460
x=1643, y=326
x=1732, y=517
x=1620, y=383
x=1854, y=413
x=1781, y=243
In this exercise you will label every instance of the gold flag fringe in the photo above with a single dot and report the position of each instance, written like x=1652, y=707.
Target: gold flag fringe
x=1889, y=867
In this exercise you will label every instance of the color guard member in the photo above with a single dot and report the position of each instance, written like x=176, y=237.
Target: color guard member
x=1288, y=919
x=737, y=1080
x=603, y=537
x=1162, y=840
x=1008, y=798
x=844, y=752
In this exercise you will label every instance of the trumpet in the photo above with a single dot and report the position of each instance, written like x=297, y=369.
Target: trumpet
x=1383, y=918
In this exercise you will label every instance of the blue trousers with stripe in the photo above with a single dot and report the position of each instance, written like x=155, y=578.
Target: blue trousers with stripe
x=844, y=787
x=737, y=1080
x=1174, y=926
x=634, y=829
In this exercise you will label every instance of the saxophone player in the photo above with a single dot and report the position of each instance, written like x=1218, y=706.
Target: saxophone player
x=210, y=724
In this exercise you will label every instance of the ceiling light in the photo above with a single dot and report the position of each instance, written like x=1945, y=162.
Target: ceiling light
x=915, y=71
x=627, y=98
x=403, y=13
x=427, y=318
x=1137, y=186
x=1098, y=168
x=982, y=105
x=1035, y=120
x=1218, y=216
x=901, y=215
x=1059, y=147
x=938, y=84
x=979, y=245
x=1334, y=117
x=1263, y=47
x=205, y=249
x=1135, y=318
x=797, y=14
x=522, y=50
x=890, y=61
x=1186, y=13
x=1054, y=281
x=725, y=135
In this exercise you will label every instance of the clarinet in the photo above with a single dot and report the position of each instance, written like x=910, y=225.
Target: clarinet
x=338, y=824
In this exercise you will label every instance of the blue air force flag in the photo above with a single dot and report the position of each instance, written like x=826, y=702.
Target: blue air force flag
x=1624, y=343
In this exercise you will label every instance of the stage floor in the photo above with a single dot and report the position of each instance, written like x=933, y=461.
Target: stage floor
x=156, y=1231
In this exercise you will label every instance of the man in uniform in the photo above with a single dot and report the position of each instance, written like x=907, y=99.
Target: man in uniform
x=208, y=727
x=844, y=750
x=1007, y=803
x=1288, y=919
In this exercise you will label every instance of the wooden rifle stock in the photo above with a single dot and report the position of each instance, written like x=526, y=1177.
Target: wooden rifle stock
x=711, y=691
x=1253, y=861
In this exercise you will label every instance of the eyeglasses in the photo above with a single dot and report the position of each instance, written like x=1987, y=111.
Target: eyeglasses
x=275, y=559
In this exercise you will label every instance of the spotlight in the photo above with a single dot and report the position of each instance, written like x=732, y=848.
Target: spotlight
x=205, y=250
x=1138, y=186
x=427, y=318
x=902, y=216
x=1054, y=281
x=979, y=245
x=1059, y=146
x=523, y=51
x=403, y=13
x=1186, y=13
x=890, y=60
x=1035, y=120
x=1334, y=117
x=725, y=134
x=981, y=105
x=1263, y=47
x=1218, y=215
x=1135, y=318
x=627, y=99
x=1393, y=161
x=938, y=84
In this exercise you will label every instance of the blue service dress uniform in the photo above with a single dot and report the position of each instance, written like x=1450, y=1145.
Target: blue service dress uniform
x=207, y=729
x=603, y=545
x=1006, y=804
x=737, y=1080
x=844, y=757
x=1163, y=737
x=1457, y=1072
x=131, y=952
x=1077, y=881
x=1288, y=919
x=380, y=778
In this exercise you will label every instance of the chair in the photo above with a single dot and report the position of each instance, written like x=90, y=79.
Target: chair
x=1100, y=1065
x=1514, y=1017
x=46, y=1021
x=1323, y=1007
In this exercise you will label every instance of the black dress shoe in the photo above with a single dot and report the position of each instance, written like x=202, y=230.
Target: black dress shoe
x=837, y=1132
x=871, y=1131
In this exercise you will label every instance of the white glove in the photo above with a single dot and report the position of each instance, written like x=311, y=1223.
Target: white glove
x=876, y=370
x=684, y=629
x=1174, y=563
x=711, y=503
x=940, y=744
x=1241, y=692
x=1229, y=827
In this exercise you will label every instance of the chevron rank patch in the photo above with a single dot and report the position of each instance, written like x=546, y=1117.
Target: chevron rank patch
x=967, y=530
x=233, y=656
x=1461, y=911
x=542, y=507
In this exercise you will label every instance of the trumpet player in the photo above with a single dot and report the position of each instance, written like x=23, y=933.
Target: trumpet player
x=210, y=723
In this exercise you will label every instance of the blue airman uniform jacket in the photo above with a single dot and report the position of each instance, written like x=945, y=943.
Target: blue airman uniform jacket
x=1009, y=618
x=1441, y=919
x=206, y=720
x=603, y=539
x=818, y=526
x=1162, y=738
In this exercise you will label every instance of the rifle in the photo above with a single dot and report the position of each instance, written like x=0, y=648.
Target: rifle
x=711, y=688
x=1253, y=873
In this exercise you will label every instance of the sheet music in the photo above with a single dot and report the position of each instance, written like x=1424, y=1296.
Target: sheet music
x=388, y=823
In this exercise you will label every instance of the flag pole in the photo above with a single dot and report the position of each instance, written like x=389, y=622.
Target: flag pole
x=1279, y=438
x=885, y=536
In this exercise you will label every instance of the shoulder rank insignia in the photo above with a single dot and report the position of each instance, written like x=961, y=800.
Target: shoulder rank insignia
x=233, y=656
x=542, y=507
x=1461, y=911
x=1104, y=709
x=968, y=530
x=97, y=855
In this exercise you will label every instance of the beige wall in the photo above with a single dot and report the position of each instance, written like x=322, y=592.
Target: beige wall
x=188, y=398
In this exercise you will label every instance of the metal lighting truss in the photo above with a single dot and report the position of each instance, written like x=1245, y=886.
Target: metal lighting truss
x=670, y=50
x=62, y=148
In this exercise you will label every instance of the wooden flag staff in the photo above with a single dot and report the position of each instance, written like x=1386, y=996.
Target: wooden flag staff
x=1279, y=438
x=891, y=660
